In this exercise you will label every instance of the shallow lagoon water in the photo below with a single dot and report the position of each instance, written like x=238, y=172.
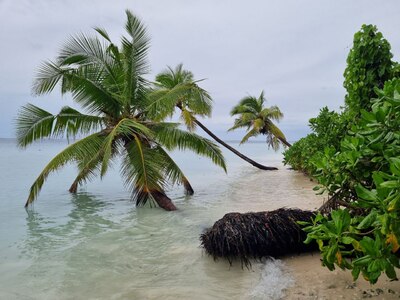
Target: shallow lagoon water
x=98, y=245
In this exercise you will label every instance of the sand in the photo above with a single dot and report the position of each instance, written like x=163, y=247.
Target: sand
x=312, y=281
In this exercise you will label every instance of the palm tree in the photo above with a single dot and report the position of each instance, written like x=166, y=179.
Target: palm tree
x=176, y=88
x=107, y=82
x=258, y=120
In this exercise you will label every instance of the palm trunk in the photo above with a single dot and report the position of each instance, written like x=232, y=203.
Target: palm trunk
x=285, y=142
x=74, y=187
x=188, y=188
x=163, y=201
x=250, y=161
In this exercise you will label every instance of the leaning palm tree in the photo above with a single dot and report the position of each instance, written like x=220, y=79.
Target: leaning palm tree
x=107, y=82
x=176, y=88
x=258, y=120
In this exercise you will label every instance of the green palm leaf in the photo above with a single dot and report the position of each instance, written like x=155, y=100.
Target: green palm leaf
x=76, y=151
x=164, y=102
x=33, y=123
x=142, y=170
x=135, y=50
x=70, y=122
x=171, y=137
x=126, y=128
x=88, y=169
x=172, y=171
x=249, y=134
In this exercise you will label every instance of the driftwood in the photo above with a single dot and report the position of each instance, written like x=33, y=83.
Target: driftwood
x=257, y=235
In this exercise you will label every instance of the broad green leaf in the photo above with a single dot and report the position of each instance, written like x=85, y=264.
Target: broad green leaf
x=365, y=194
x=368, y=220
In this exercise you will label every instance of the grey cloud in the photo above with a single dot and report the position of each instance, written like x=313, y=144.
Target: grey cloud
x=294, y=50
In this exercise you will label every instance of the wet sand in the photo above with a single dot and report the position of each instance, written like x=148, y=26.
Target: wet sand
x=312, y=281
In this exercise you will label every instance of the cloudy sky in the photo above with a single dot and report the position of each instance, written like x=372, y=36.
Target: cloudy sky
x=293, y=50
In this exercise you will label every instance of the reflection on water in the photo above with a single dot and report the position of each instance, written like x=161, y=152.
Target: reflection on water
x=46, y=234
x=99, y=246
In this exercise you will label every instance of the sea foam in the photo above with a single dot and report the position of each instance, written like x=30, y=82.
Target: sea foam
x=274, y=279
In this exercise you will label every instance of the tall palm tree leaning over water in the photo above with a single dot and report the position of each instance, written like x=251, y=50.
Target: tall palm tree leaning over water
x=176, y=88
x=258, y=120
x=107, y=82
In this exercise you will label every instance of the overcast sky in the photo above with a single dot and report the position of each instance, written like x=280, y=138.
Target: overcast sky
x=293, y=50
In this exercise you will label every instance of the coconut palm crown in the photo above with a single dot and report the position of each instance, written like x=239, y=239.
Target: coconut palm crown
x=259, y=120
x=176, y=88
x=108, y=83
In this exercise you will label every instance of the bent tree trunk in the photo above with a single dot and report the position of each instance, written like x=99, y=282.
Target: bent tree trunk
x=250, y=161
x=285, y=142
x=188, y=188
x=163, y=201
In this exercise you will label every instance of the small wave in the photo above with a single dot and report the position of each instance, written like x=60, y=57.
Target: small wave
x=274, y=279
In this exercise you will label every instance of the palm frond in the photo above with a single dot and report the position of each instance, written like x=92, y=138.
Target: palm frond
x=125, y=128
x=172, y=171
x=246, y=105
x=70, y=122
x=188, y=119
x=33, y=123
x=77, y=151
x=171, y=137
x=103, y=33
x=274, y=130
x=273, y=113
x=142, y=171
x=88, y=169
x=169, y=78
x=199, y=101
x=48, y=75
x=87, y=85
x=249, y=134
x=82, y=50
x=163, y=102
x=260, y=101
x=272, y=141
x=135, y=49
x=245, y=120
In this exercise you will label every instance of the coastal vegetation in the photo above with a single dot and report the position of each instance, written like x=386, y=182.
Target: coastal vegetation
x=259, y=120
x=354, y=155
x=120, y=121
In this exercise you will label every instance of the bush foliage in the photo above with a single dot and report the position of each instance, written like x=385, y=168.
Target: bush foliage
x=355, y=157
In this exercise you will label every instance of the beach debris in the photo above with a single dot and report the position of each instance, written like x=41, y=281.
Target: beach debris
x=256, y=235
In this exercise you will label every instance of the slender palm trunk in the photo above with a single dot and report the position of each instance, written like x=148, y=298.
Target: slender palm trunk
x=188, y=188
x=163, y=201
x=285, y=142
x=250, y=161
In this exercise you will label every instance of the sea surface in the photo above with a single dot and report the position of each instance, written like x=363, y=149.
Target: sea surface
x=98, y=245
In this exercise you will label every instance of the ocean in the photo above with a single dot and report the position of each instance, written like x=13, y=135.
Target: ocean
x=98, y=245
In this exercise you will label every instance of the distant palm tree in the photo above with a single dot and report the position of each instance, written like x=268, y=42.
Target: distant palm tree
x=258, y=120
x=176, y=88
x=107, y=81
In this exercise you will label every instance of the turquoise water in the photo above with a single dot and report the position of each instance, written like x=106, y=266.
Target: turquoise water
x=98, y=245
